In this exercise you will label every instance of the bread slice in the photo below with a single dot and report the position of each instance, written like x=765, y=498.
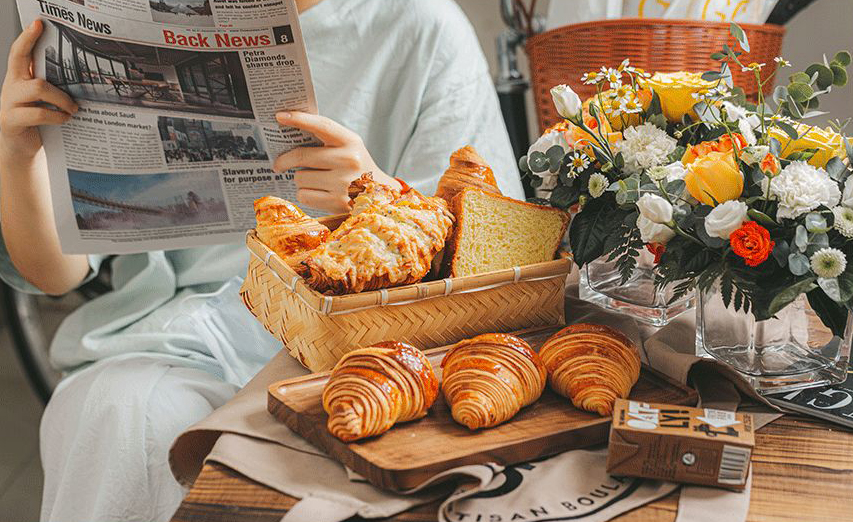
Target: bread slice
x=494, y=232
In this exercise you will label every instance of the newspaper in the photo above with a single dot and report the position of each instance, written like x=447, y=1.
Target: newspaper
x=176, y=133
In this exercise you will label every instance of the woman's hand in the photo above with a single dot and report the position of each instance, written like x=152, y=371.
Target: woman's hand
x=27, y=102
x=328, y=170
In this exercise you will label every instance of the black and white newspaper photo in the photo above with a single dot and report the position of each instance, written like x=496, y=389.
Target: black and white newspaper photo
x=176, y=131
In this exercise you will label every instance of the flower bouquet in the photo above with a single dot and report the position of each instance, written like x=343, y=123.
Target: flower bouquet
x=678, y=176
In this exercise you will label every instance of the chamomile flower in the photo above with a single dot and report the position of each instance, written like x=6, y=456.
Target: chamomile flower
x=626, y=67
x=613, y=76
x=630, y=105
x=843, y=221
x=781, y=62
x=754, y=66
x=828, y=263
x=591, y=78
x=578, y=161
x=597, y=184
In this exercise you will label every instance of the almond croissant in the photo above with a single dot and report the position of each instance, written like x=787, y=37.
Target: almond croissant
x=389, y=240
x=467, y=169
x=287, y=231
x=373, y=388
x=591, y=364
x=489, y=378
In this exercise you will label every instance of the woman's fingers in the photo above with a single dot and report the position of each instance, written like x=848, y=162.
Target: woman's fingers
x=328, y=131
x=324, y=158
x=322, y=200
x=38, y=90
x=21, y=52
x=34, y=116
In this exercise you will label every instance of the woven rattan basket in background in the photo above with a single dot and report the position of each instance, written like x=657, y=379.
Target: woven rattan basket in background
x=317, y=329
x=562, y=55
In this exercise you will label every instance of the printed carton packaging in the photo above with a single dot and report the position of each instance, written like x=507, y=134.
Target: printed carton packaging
x=680, y=444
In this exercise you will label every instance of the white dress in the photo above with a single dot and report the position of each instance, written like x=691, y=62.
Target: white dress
x=156, y=354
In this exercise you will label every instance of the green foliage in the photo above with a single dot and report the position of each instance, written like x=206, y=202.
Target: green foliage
x=590, y=229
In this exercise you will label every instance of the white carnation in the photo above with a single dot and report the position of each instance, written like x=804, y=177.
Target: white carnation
x=828, y=262
x=847, y=195
x=655, y=208
x=801, y=188
x=726, y=218
x=651, y=232
x=644, y=147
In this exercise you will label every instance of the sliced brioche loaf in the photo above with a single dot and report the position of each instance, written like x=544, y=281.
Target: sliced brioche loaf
x=494, y=232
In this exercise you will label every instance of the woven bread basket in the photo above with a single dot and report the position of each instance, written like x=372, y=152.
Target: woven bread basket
x=318, y=330
x=564, y=54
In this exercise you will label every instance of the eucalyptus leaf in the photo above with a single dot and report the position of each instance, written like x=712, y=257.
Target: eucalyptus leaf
x=712, y=76
x=816, y=242
x=815, y=223
x=798, y=264
x=799, y=77
x=676, y=187
x=839, y=75
x=555, y=157
x=775, y=147
x=843, y=58
x=522, y=164
x=823, y=74
x=788, y=129
x=790, y=294
x=781, y=252
x=801, y=238
x=830, y=288
x=835, y=168
x=800, y=92
x=537, y=161
x=780, y=93
x=740, y=36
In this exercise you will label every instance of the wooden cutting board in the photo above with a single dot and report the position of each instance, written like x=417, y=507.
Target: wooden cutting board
x=409, y=454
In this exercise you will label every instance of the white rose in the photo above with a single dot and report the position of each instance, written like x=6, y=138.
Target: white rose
x=655, y=208
x=651, y=232
x=801, y=188
x=568, y=103
x=725, y=219
x=847, y=195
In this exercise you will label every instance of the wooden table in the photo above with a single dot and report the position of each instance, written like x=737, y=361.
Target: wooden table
x=802, y=472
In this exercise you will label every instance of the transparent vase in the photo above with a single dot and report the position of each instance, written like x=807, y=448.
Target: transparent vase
x=600, y=283
x=790, y=351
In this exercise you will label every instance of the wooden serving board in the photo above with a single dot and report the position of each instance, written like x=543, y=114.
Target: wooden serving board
x=411, y=453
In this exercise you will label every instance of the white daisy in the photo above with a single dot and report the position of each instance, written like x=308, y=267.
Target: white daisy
x=592, y=78
x=598, y=184
x=843, y=221
x=645, y=146
x=781, y=62
x=613, y=76
x=753, y=67
x=630, y=105
x=578, y=161
x=828, y=263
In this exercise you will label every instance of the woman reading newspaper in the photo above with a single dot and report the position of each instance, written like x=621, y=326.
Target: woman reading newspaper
x=400, y=85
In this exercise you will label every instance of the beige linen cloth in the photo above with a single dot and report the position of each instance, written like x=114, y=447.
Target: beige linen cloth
x=244, y=437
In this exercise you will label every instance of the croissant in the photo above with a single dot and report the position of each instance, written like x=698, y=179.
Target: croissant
x=591, y=364
x=287, y=231
x=467, y=169
x=390, y=239
x=373, y=388
x=489, y=378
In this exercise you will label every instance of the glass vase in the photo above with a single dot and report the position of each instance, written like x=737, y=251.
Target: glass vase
x=600, y=283
x=789, y=351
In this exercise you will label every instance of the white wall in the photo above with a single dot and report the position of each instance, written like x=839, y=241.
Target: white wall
x=825, y=26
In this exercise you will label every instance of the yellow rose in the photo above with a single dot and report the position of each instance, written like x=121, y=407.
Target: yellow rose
x=676, y=92
x=714, y=177
x=827, y=142
x=612, y=100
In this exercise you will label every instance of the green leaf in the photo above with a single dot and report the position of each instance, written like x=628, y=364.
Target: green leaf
x=537, y=161
x=712, y=76
x=798, y=264
x=824, y=75
x=800, y=92
x=726, y=288
x=654, y=106
x=555, y=157
x=761, y=217
x=780, y=93
x=845, y=283
x=832, y=315
x=589, y=230
x=740, y=36
x=522, y=164
x=775, y=147
x=839, y=75
x=717, y=56
x=815, y=223
x=843, y=58
x=800, y=77
x=789, y=294
x=788, y=129
x=835, y=168
x=564, y=197
x=676, y=187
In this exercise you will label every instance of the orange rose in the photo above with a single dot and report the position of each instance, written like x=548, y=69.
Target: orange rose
x=724, y=144
x=752, y=242
x=714, y=178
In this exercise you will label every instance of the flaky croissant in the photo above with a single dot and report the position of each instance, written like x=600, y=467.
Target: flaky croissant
x=467, y=169
x=592, y=365
x=373, y=388
x=287, y=231
x=489, y=378
x=389, y=240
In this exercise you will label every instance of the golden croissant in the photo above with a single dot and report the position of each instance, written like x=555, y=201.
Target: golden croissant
x=287, y=231
x=591, y=364
x=489, y=378
x=390, y=239
x=467, y=169
x=373, y=388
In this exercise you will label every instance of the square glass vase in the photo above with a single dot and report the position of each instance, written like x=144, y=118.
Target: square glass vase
x=790, y=351
x=600, y=284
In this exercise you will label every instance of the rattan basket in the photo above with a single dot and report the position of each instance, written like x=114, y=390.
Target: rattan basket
x=317, y=329
x=562, y=55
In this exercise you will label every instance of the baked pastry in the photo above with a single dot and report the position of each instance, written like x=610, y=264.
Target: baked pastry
x=373, y=388
x=467, y=169
x=592, y=365
x=494, y=232
x=389, y=240
x=287, y=231
x=489, y=378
